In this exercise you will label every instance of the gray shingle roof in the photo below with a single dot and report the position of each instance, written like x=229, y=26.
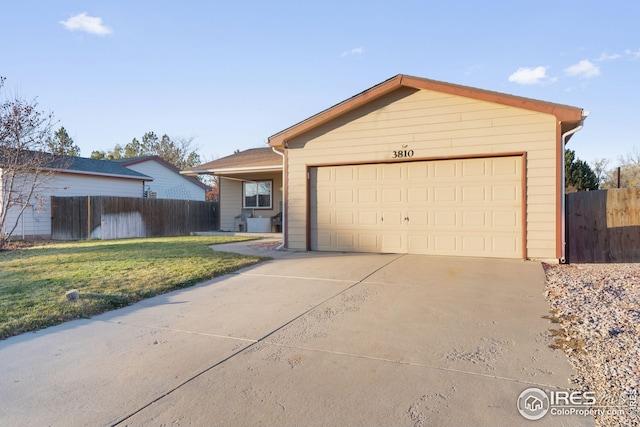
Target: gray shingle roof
x=101, y=167
x=83, y=165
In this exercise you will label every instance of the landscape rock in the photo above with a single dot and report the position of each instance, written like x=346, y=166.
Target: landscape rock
x=72, y=295
x=598, y=307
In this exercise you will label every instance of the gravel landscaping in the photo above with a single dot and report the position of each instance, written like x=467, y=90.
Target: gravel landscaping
x=597, y=309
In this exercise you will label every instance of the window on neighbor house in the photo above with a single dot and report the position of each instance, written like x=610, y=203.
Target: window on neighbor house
x=256, y=194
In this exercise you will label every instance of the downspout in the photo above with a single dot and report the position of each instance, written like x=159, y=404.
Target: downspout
x=563, y=207
x=284, y=193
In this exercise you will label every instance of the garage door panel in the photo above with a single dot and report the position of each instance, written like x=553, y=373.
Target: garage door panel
x=325, y=197
x=392, y=218
x=474, y=244
x=368, y=173
x=368, y=242
x=417, y=171
x=345, y=240
x=418, y=244
x=417, y=195
x=445, y=243
x=501, y=193
x=474, y=220
x=344, y=219
x=392, y=243
x=368, y=195
x=507, y=219
x=324, y=242
x=344, y=196
x=506, y=166
x=368, y=218
x=344, y=174
x=474, y=168
x=467, y=207
x=445, y=169
x=392, y=172
x=444, y=194
x=445, y=219
x=504, y=244
x=324, y=218
x=474, y=193
x=418, y=218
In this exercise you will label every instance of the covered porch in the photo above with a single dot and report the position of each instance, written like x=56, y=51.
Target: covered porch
x=250, y=190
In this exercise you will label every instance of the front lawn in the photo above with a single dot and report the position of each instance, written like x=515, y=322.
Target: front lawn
x=108, y=274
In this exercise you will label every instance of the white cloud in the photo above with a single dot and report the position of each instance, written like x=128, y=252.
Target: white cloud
x=88, y=24
x=606, y=57
x=633, y=54
x=530, y=76
x=584, y=68
x=357, y=51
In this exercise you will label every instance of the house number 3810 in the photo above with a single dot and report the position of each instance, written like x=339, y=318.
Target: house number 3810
x=401, y=154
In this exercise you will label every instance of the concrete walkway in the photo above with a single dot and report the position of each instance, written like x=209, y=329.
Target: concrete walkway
x=306, y=339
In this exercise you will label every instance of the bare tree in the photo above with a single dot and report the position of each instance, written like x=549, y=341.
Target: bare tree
x=24, y=164
x=629, y=172
x=599, y=167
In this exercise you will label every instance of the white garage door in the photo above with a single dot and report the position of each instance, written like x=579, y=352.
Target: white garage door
x=468, y=207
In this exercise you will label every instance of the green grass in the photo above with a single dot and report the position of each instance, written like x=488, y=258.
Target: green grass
x=108, y=275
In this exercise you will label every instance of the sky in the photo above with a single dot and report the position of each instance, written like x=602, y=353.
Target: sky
x=229, y=74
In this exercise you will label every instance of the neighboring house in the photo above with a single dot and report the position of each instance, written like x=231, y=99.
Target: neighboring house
x=250, y=185
x=414, y=165
x=78, y=176
x=167, y=183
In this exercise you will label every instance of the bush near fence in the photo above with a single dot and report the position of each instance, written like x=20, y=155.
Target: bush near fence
x=108, y=217
x=603, y=226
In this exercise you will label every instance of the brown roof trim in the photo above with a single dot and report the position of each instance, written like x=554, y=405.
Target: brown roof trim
x=563, y=113
x=252, y=160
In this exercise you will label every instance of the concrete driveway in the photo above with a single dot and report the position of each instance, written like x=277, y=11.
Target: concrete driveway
x=306, y=339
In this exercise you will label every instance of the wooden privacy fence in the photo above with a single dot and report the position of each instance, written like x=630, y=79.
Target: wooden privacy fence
x=108, y=217
x=603, y=226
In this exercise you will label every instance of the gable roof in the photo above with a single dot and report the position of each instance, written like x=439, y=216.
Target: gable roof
x=130, y=161
x=251, y=160
x=84, y=166
x=570, y=117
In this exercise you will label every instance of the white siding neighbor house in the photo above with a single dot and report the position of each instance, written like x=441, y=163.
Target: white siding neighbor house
x=167, y=183
x=79, y=177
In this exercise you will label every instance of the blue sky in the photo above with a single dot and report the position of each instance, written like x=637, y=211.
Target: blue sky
x=232, y=73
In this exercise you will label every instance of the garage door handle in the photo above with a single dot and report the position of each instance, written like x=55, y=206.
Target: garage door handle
x=406, y=218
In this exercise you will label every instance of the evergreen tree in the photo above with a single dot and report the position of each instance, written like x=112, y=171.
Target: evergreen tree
x=62, y=143
x=578, y=175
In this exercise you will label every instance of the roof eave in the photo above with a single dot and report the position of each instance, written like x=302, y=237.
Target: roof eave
x=563, y=113
x=107, y=175
x=254, y=169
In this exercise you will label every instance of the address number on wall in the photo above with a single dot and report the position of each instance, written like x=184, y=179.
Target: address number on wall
x=401, y=154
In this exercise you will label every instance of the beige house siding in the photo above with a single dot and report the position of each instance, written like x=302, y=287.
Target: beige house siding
x=231, y=197
x=434, y=125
